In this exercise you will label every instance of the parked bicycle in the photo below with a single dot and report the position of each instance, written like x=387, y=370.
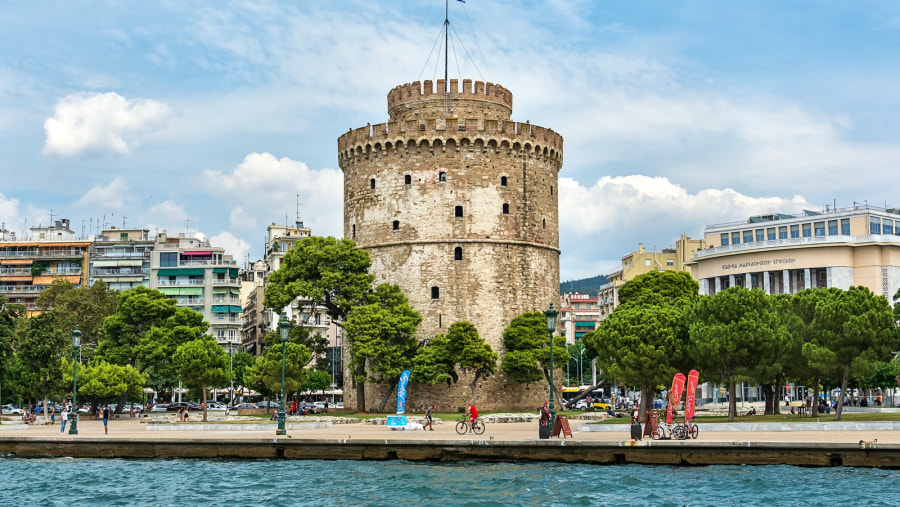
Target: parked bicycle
x=463, y=427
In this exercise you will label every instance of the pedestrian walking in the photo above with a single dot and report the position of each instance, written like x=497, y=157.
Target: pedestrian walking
x=105, y=419
x=52, y=414
x=429, y=421
x=64, y=417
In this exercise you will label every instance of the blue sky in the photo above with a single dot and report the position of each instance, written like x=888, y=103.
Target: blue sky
x=675, y=115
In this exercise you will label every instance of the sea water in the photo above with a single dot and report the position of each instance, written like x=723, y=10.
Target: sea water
x=184, y=482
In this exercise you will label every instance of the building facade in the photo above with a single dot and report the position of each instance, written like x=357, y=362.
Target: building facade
x=121, y=258
x=203, y=278
x=578, y=314
x=27, y=267
x=458, y=205
x=640, y=262
x=784, y=254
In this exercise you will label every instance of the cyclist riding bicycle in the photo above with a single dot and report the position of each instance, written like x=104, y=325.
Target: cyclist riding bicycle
x=471, y=414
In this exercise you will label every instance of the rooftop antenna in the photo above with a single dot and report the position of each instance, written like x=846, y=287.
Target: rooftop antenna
x=188, y=226
x=123, y=221
x=299, y=221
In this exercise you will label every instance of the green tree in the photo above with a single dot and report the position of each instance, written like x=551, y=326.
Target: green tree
x=86, y=307
x=668, y=285
x=239, y=364
x=329, y=272
x=9, y=315
x=203, y=363
x=729, y=334
x=316, y=380
x=381, y=337
x=265, y=373
x=102, y=381
x=41, y=350
x=527, y=345
x=462, y=348
x=857, y=327
x=137, y=312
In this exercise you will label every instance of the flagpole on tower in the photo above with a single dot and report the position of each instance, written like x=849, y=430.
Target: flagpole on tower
x=446, y=45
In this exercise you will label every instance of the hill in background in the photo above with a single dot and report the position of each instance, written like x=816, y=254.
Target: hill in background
x=584, y=286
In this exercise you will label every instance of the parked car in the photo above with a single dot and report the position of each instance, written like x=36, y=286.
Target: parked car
x=9, y=409
x=160, y=407
x=178, y=405
x=268, y=404
x=602, y=403
x=580, y=405
x=659, y=403
x=244, y=406
x=215, y=406
x=339, y=405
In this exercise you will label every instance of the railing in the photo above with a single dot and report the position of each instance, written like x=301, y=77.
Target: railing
x=16, y=272
x=230, y=281
x=41, y=253
x=813, y=240
x=123, y=255
x=176, y=283
x=120, y=272
x=189, y=302
x=21, y=289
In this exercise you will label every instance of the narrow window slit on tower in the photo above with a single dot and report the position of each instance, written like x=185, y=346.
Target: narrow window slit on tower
x=435, y=293
x=458, y=212
x=372, y=183
x=457, y=253
x=396, y=225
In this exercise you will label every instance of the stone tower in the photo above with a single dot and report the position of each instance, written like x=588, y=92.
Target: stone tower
x=458, y=205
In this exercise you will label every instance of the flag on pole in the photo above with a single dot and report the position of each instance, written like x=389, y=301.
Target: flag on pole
x=463, y=1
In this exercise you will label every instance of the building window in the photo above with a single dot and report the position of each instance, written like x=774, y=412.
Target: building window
x=407, y=179
x=506, y=208
x=168, y=259
x=551, y=189
x=887, y=226
x=845, y=226
x=770, y=234
x=457, y=212
x=353, y=233
x=647, y=262
x=461, y=127
x=442, y=176
x=735, y=238
x=435, y=293
x=372, y=183
x=782, y=232
x=832, y=228
x=760, y=235
x=123, y=236
x=748, y=236
x=502, y=181
x=396, y=225
x=807, y=230
x=724, y=238
x=795, y=231
x=819, y=228
x=670, y=262
x=874, y=225
x=457, y=253
x=544, y=223
x=421, y=127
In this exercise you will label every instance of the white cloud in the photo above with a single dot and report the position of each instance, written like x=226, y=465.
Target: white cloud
x=113, y=196
x=233, y=246
x=101, y=123
x=599, y=224
x=166, y=216
x=263, y=189
x=18, y=221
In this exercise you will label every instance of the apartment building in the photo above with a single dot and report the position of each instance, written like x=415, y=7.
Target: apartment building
x=121, y=258
x=201, y=277
x=578, y=314
x=29, y=266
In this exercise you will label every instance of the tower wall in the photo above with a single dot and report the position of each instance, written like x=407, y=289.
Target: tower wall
x=406, y=183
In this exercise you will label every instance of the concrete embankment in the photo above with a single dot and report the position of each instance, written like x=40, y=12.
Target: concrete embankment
x=866, y=454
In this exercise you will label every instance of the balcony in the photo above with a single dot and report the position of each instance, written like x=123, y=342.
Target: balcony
x=798, y=242
x=178, y=283
x=22, y=289
x=189, y=302
x=227, y=281
x=191, y=262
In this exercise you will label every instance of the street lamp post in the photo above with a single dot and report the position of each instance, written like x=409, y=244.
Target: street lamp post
x=76, y=346
x=580, y=367
x=551, y=315
x=231, y=369
x=283, y=327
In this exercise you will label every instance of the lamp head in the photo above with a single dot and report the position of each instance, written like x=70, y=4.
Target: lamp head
x=551, y=315
x=76, y=337
x=283, y=327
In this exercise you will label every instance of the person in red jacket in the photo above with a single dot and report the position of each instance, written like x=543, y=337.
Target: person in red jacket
x=472, y=414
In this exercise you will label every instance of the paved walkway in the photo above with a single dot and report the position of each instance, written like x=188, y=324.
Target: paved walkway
x=134, y=429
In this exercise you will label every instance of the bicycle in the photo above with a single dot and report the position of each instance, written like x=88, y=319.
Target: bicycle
x=463, y=427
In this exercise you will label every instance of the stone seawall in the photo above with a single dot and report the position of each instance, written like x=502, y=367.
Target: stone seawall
x=690, y=453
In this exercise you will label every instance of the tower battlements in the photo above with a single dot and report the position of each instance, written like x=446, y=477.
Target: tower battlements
x=417, y=97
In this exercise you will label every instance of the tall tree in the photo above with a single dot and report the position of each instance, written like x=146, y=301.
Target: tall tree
x=527, y=345
x=9, y=315
x=102, y=381
x=137, y=312
x=42, y=350
x=729, y=334
x=462, y=348
x=381, y=337
x=668, y=285
x=203, y=363
x=329, y=272
x=858, y=328
x=265, y=373
x=86, y=307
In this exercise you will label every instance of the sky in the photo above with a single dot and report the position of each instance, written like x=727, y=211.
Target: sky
x=216, y=118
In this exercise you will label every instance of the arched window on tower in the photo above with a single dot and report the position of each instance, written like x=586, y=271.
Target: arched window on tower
x=506, y=208
x=442, y=176
x=502, y=181
x=353, y=235
x=545, y=223
x=457, y=253
x=407, y=179
x=396, y=225
x=457, y=212
x=372, y=183
x=551, y=189
x=435, y=293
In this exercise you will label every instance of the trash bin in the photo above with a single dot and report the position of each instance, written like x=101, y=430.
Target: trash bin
x=544, y=431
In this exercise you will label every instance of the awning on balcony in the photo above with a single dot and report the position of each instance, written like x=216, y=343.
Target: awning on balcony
x=226, y=309
x=180, y=272
x=181, y=291
x=15, y=261
x=198, y=252
x=232, y=272
x=109, y=263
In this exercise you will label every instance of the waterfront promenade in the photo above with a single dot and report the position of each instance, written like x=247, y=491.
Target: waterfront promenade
x=870, y=444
